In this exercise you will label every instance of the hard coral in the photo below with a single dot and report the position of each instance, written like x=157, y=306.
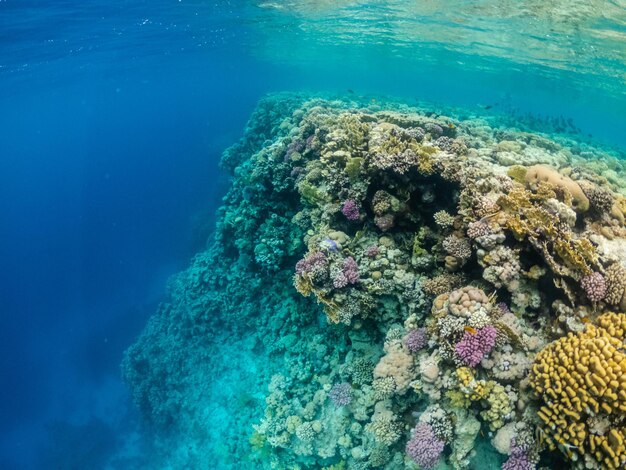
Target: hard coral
x=476, y=345
x=594, y=286
x=542, y=173
x=527, y=218
x=616, y=286
x=424, y=447
x=341, y=394
x=350, y=209
x=416, y=339
x=583, y=376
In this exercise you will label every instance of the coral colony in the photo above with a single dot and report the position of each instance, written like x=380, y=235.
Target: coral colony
x=471, y=278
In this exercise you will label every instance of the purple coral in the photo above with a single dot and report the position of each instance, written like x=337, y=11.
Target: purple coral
x=349, y=273
x=503, y=307
x=594, y=286
x=416, y=339
x=351, y=270
x=350, y=209
x=434, y=129
x=372, y=251
x=310, y=142
x=341, y=394
x=424, y=447
x=519, y=459
x=297, y=171
x=296, y=146
x=475, y=346
x=312, y=263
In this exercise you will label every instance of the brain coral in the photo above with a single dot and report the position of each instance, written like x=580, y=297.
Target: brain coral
x=582, y=377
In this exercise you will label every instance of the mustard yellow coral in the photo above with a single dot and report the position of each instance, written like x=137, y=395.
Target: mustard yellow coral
x=527, y=218
x=583, y=376
x=517, y=173
x=493, y=394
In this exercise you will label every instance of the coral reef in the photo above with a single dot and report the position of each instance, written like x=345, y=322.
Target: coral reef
x=392, y=287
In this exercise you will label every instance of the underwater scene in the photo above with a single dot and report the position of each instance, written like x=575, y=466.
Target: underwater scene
x=313, y=234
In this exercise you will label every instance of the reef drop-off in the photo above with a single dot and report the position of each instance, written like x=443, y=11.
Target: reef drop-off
x=391, y=287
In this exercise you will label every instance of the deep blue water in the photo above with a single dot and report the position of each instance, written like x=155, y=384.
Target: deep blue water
x=113, y=116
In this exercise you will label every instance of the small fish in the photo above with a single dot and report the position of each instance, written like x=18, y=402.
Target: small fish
x=585, y=320
x=470, y=330
x=373, y=100
x=350, y=91
x=451, y=126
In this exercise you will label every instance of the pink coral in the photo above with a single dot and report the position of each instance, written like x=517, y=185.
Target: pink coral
x=519, y=459
x=478, y=229
x=475, y=346
x=349, y=273
x=594, y=286
x=351, y=270
x=350, y=209
x=384, y=222
x=424, y=447
x=313, y=262
x=372, y=252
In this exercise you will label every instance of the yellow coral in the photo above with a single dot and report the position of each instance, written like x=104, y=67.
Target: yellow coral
x=581, y=376
x=517, y=173
x=527, y=218
x=353, y=167
x=492, y=393
x=499, y=406
x=457, y=399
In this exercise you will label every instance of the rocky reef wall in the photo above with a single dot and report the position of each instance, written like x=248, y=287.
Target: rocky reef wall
x=394, y=287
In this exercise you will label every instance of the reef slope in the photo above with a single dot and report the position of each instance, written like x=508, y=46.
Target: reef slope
x=393, y=287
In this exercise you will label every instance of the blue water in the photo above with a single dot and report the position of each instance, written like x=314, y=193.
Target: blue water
x=113, y=116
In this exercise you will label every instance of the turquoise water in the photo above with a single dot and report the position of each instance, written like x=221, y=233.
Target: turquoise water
x=113, y=120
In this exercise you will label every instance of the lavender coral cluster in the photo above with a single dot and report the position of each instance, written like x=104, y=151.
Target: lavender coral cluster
x=416, y=339
x=341, y=394
x=348, y=274
x=475, y=345
x=594, y=286
x=520, y=458
x=350, y=210
x=314, y=263
x=424, y=448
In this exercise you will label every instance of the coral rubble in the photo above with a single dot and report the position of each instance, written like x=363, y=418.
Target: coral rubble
x=416, y=285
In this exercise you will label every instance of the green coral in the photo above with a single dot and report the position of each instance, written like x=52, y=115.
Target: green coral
x=517, y=173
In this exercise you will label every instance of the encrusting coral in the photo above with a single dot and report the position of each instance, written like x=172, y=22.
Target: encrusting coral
x=416, y=286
